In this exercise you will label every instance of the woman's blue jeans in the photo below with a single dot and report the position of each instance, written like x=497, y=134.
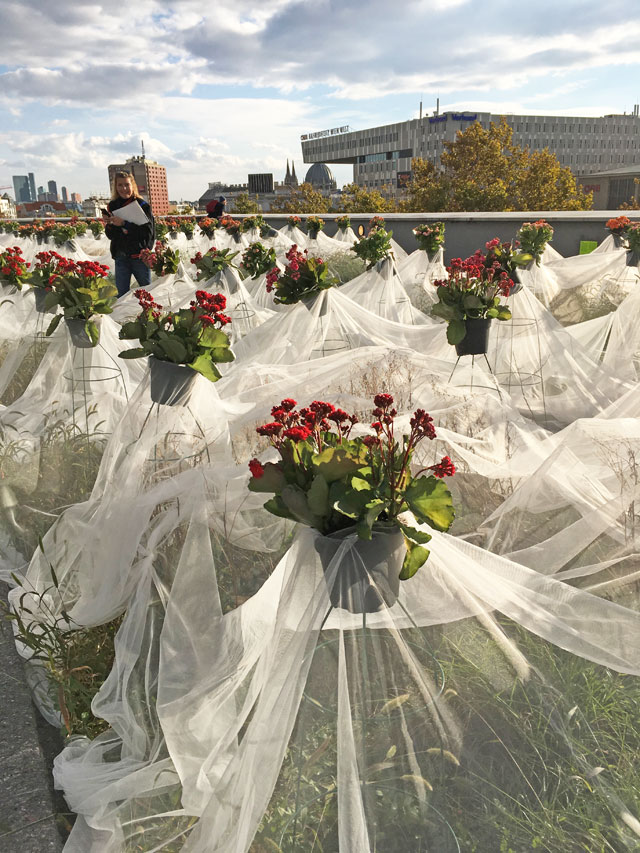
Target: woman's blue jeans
x=125, y=268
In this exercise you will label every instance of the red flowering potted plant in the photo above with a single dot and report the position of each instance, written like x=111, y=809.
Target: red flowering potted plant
x=14, y=270
x=294, y=222
x=633, y=239
x=376, y=222
x=212, y=262
x=83, y=292
x=356, y=486
x=188, y=226
x=48, y=265
x=231, y=226
x=430, y=237
x=162, y=260
x=208, y=226
x=617, y=226
x=533, y=238
x=468, y=299
x=303, y=277
x=96, y=227
x=343, y=222
x=257, y=259
x=314, y=225
x=181, y=343
x=375, y=247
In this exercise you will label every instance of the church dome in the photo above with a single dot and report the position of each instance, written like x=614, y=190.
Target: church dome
x=319, y=175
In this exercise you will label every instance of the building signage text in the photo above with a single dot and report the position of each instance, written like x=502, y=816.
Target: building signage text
x=322, y=133
x=454, y=117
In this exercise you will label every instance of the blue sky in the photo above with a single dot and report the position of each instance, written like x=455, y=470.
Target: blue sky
x=222, y=88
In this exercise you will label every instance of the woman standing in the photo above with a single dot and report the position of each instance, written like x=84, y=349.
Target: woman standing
x=127, y=239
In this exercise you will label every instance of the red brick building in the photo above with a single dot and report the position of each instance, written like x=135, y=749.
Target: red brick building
x=151, y=179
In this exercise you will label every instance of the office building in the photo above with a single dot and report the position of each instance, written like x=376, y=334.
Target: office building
x=76, y=198
x=261, y=183
x=32, y=187
x=21, y=189
x=151, y=179
x=53, y=191
x=65, y=197
x=381, y=156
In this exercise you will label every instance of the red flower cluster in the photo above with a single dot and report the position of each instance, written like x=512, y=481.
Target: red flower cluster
x=618, y=224
x=308, y=422
x=12, y=264
x=256, y=468
x=444, y=468
x=212, y=305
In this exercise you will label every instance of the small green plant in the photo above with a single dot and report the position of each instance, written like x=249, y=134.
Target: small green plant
x=257, y=259
x=303, y=277
x=213, y=262
x=162, y=260
x=314, y=224
x=533, y=238
x=188, y=226
x=376, y=247
x=76, y=660
x=343, y=222
x=430, y=237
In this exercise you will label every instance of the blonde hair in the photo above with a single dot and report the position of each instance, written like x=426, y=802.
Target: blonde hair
x=129, y=177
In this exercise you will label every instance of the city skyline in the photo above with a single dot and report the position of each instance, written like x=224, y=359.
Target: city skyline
x=217, y=94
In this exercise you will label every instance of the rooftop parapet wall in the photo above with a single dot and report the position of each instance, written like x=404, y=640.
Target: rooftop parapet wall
x=466, y=232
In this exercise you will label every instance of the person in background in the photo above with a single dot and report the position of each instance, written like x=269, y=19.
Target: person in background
x=127, y=239
x=216, y=208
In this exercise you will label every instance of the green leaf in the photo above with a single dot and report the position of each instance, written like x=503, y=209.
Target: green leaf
x=174, y=349
x=211, y=337
x=417, y=536
x=51, y=299
x=276, y=506
x=372, y=511
x=296, y=502
x=430, y=501
x=446, y=312
x=93, y=333
x=471, y=302
x=318, y=496
x=273, y=480
x=415, y=557
x=130, y=331
x=206, y=367
x=504, y=313
x=492, y=313
x=53, y=325
x=138, y=352
x=336, y=462
x=221, y=354
x=456, y=330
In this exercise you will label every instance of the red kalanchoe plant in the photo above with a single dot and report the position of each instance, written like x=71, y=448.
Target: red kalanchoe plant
x=191, y=336
x=302, y=278
x=331, y=481
x=471, y=291
x=48, y=267
x=162, y=260
x=82, y=290
x=376, y=222
x=294, y=221
x=618, y=225
x=212, y=262
x=13, y=267
x=533, y=238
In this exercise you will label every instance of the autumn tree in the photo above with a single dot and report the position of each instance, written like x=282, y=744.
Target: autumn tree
x=356, y=199
x=244, y=204
x=303, y=199
x=634, y=201
x=485, y=170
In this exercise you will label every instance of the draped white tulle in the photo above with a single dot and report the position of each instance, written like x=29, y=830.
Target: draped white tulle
x=247, y=712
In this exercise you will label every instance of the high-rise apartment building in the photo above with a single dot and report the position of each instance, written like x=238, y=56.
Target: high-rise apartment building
x=76, y=197
x=151, y=179
x=381, y=156
x=21, y=188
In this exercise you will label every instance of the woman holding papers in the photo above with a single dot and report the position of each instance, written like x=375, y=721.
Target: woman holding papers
x=131, y=228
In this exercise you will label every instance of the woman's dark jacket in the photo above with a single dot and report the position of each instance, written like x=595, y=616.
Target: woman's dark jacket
x=137, y=237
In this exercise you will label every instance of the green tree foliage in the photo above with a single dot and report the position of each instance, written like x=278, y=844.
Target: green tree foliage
x=303, y=199
x=355, y=199
x=485, y=170
x=244, y=204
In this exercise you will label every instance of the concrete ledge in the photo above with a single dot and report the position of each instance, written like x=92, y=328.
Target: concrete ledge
x=29, y=805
